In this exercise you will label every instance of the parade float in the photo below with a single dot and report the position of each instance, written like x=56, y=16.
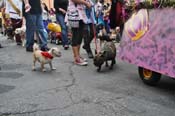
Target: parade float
x=148, y=39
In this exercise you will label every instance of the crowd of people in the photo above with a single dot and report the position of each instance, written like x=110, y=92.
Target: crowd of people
x=35, y=15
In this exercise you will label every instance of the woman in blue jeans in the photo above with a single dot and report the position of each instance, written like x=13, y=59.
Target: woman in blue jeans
x=61, y=8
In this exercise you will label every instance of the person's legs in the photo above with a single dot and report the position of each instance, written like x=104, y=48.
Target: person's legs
x=1, y=46
x=43, y=36
x=46, y=22
x=60, y=19
x=88, y=37
x=76, y=42
x=30, y=29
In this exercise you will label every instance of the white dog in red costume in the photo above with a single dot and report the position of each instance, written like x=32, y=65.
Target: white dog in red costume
x=44, y=57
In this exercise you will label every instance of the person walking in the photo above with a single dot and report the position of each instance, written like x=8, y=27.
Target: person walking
x=61, y=8
x=14, y=9
x=34, y=23
x=89, y=29
x=1, y=6
x=77, y=32
x=116, y=16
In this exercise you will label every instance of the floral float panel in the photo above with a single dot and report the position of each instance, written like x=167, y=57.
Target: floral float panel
x=148, y=40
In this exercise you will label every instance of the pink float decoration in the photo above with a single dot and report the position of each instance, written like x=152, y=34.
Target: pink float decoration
x=155, y=48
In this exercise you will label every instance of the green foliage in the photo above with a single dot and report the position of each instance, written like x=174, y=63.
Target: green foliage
x=132, y=6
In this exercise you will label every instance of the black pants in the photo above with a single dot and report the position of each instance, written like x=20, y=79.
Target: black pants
x=77, y=34
x=89, y=31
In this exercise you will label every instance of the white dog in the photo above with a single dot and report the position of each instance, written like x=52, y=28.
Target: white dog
x=44, y=57
x=21, y=31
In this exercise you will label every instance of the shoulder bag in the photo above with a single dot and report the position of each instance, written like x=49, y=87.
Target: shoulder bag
x=73, y=18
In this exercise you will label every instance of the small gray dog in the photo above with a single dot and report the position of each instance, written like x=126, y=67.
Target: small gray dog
x=107, y=53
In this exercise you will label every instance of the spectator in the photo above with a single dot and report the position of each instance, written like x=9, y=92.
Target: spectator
x=77, y=33
x=14, y=9
x=116, y=16
x=61, y=8
x=106, y=11
x=99, y=15
x=89, y=29
x=45, y=15
x=34, y=23
x=1, y=6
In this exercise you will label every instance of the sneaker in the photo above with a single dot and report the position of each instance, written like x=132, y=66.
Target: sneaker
x=81, y=62
x=90, y=55
x=66, y=47
x=89, y=51
x=84, y=59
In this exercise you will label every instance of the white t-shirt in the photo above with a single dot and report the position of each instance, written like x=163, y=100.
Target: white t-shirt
x=11, y=11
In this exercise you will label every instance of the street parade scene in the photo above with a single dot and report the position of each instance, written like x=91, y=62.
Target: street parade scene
x=87, y=57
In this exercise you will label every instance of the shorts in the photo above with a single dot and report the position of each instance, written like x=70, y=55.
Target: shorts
x=77, y=34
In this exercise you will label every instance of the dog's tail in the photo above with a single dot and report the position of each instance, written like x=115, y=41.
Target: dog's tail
x=35, y=47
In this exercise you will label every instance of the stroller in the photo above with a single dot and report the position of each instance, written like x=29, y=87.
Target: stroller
x=54, y=33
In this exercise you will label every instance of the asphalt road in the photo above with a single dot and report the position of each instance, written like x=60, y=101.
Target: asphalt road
x=73, y=90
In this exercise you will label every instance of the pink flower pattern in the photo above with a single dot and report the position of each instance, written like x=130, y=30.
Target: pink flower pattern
x=155, y=50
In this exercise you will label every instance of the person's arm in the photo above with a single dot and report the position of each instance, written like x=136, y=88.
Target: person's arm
x=27, y=5
x=87, y=4
x=26, y=2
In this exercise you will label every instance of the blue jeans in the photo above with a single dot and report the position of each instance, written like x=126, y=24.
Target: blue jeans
x=60, y=19
x=34, y=23
x=46, y=22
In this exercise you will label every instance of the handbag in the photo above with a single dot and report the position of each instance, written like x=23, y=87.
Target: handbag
x=73, y=18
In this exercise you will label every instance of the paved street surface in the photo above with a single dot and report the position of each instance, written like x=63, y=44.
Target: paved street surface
x=73, y=90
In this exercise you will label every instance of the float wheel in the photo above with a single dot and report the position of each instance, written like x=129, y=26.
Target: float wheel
x=149, y=77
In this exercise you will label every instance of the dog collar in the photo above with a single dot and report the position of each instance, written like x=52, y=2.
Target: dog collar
x=47, y=55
